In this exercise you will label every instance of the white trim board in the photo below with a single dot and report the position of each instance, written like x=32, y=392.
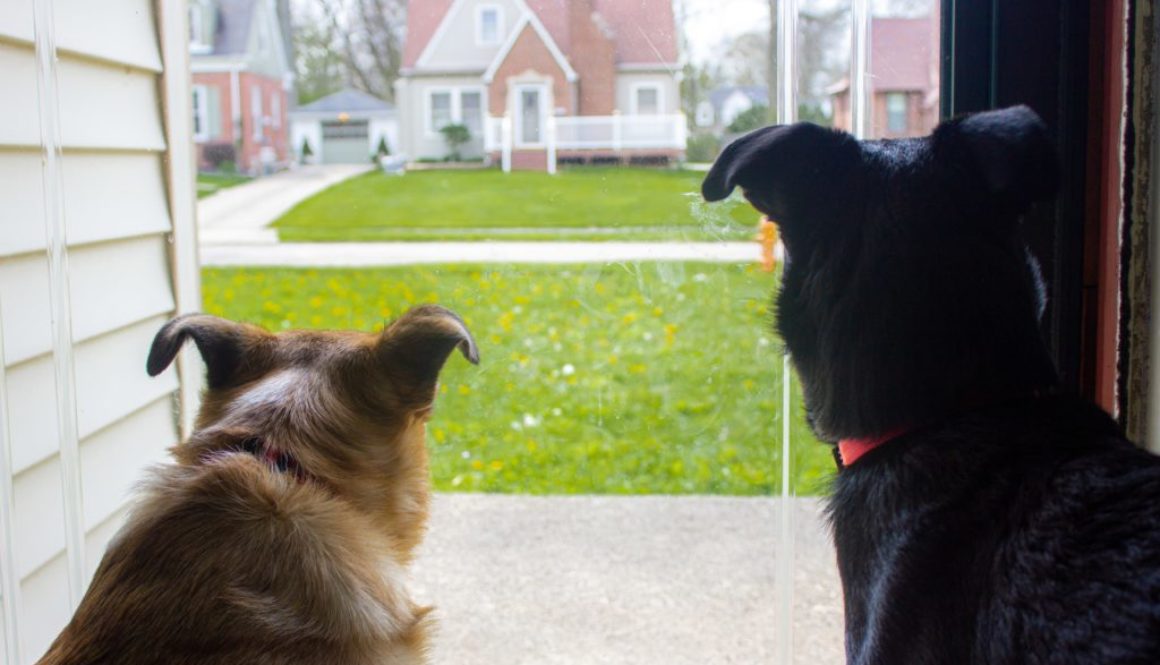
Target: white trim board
x=529, y=18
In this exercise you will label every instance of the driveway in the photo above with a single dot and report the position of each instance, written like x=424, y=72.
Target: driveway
x=240, y=214
x=663, y=580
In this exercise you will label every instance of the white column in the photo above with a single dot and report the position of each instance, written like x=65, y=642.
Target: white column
x=860, y=70
x=551, y=128
x=180, y=171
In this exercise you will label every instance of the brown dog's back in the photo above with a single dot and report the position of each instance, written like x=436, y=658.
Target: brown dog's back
x=281, y=533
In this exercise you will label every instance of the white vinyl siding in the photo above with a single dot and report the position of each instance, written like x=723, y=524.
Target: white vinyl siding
x=114, y=184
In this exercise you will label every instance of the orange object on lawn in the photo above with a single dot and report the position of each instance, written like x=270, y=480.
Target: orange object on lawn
x=767, y=236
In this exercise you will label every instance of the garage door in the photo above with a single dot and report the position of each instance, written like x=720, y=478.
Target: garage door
x=345, y=142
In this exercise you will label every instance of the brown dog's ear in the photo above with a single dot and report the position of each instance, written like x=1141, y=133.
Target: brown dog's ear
x=222, y=345
x=1011, y=150
x=417, y=345
x=784, y=170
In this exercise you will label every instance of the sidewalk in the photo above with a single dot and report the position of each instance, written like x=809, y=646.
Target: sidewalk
x=577, y=580
x=369, y=254
x=240, y=214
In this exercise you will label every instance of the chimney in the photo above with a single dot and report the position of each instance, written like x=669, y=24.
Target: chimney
x=593, y=56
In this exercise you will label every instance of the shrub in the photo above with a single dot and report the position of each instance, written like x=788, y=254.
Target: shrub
x=455, y=136
x=702, y=148
x=221, y=156
x=307, y=151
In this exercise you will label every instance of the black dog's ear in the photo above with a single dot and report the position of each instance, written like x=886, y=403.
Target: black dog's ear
x=222, y=345
x=783, y=170
x=1011, y=150
x=418, y=344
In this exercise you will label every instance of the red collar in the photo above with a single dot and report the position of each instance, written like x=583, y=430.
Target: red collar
x=277, y=459
x=851, y=450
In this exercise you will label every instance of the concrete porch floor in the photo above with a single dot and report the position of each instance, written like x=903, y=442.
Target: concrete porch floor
x=653, y=579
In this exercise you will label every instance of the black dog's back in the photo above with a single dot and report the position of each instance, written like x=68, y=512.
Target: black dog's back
x=999, y=522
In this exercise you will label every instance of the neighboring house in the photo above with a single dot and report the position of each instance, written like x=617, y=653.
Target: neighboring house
x=904, y=78
x=344, y=128
x=104, y=192
x=242, y=77
x=534, y=80
x=726, y=103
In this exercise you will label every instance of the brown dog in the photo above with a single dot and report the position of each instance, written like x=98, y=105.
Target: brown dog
x=281, y=533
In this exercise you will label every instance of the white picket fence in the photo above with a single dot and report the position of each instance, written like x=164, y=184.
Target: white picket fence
x=613, y=133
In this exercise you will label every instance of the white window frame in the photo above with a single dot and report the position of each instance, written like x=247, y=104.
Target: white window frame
x=200, y=113
x=634, y=102
x=499, y=17
x=545, y=110
x=890, y=96
x=276, y=110
x=256, y=122
x=197, y=28
x=456, y=107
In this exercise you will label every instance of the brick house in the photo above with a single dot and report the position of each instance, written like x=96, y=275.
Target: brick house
x=904, y=78
x=242, y=76
x=540, y=80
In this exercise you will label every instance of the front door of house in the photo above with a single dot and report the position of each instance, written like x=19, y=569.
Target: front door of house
x=531, y=115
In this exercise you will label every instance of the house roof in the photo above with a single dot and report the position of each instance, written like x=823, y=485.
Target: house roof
x=234, y=18
x=900, y=53
x=644, y=31
x=348, y=101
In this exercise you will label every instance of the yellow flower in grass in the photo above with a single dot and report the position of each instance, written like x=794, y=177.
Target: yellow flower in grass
x=477, y=464
x=496, y=465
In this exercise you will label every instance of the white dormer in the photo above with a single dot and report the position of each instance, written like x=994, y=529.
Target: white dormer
x=489, y=24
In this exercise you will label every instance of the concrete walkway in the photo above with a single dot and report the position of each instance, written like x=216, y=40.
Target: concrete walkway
x=642, y=580
x=240, y=214
x=367, y=254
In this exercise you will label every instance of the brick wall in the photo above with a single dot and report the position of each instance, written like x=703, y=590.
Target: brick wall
x=594, y=59
x=529, y=54
x=274, y=132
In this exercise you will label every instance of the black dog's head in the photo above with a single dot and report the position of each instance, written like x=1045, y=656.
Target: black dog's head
x=907, y=293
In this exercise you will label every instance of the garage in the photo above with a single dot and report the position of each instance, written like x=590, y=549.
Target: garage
x=346, y=142
x=347, y=127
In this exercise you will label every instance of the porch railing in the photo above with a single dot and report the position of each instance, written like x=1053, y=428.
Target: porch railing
x=591, y=132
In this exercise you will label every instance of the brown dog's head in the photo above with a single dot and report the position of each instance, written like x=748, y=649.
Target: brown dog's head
x=346, y=409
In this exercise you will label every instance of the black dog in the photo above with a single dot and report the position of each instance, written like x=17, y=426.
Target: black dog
x=991, y=519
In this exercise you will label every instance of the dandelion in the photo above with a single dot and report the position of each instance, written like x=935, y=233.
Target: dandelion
x=531, y=421
x=477, y=465
x=568, y=370
x=465, y=454
x=496, y=465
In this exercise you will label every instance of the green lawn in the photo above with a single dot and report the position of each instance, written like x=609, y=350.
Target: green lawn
x=575, y=204
x=211, y=183
x=623, y=379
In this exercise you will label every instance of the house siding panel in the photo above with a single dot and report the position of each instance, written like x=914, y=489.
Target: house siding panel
x=16, y=19
x=84, y=26
x=115, y=184
x=456, y=49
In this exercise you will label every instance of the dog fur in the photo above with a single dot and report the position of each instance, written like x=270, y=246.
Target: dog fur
x=1009, y=523
x=281, y=533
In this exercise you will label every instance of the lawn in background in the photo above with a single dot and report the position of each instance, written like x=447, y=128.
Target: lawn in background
x=211, y=183
x=575, y=204
x=622, y=378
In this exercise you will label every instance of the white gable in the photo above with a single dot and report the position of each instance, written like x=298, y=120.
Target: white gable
x=456, y=44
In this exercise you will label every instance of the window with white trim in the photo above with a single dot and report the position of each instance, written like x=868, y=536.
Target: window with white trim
x=646, y=99
x=896, y=112
x=276, y=110
x=439, y=113
x=471, y=110
x=452, y=106
x=256, y=112
x=200, y=113
x=488, y=25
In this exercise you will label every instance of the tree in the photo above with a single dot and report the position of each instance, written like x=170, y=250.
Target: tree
x=455, y=136
x=350, y=43
x=750, y=119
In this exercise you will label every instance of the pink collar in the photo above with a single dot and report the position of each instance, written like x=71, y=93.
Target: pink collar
x=851, y=450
